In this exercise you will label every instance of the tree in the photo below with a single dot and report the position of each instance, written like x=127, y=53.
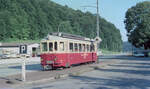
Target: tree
x=137, y=23
x=34, y=19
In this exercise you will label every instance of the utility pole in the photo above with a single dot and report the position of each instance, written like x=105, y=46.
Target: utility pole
x=97, y=19
x=98, y=39
x=97, y=8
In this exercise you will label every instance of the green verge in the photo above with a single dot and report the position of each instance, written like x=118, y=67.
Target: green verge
x=104, y=51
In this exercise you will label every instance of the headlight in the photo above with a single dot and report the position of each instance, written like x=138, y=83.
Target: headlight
x=41, y=59
x=55, y=59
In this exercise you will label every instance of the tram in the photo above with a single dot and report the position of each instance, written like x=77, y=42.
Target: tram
x=64, y=50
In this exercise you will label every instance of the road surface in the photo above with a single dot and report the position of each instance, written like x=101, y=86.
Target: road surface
x=129, y=73
x=13, y=66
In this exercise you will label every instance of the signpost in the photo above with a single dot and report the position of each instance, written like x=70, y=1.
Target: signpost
x=23, y=52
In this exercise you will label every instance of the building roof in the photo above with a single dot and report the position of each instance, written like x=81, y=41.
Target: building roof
x=14, y=44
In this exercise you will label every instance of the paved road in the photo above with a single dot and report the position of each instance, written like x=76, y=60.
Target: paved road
x=129, y=73
x=13, y=66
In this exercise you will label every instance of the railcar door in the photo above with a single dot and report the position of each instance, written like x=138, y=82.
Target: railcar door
x=70, y=53
x=68, y=56
x=92, y=49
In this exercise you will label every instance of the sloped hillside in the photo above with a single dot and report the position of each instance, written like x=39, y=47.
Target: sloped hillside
x=34, y=19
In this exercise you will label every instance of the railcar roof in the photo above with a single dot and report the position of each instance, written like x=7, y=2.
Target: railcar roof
x=58, y=38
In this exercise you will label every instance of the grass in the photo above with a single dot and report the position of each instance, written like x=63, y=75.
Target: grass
x=149, y=54
x=109, y=52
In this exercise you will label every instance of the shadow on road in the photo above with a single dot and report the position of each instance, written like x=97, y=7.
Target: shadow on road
x=36, y=67
x=145, y=65
x=123, y=57
x=137, y=72
x=115, y=82
x=42, y=87
x=139, y=67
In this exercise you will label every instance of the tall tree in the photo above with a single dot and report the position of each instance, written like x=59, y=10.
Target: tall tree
x=137, y=22
x=34, y=19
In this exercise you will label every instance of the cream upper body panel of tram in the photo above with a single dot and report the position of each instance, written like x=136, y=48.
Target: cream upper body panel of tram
x=57, y=44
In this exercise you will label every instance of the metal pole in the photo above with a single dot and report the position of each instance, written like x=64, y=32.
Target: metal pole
x=97, y=26
x=58, y=28
x=23, y=70
x=97, y=19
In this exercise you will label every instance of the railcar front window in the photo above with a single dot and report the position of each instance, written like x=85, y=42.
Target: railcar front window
x=44, y=47
x=50, y=46
x=80, y=47
x=92, y=47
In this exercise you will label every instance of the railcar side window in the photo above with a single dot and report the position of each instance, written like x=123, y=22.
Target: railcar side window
x=76, y=47
x=80, y=48
x=71, y=47
x=55, y=46
x=88, y=48
x=62, y=47
x=83, y=46
x=44, y=47
x=50, y=46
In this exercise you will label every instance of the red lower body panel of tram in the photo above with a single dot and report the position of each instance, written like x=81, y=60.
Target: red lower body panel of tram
x=56, y=60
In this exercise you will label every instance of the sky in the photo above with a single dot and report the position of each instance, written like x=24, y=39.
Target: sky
x=112, y=10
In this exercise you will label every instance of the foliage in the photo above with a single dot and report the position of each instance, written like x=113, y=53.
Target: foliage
x=137, y=23
x=34, y=19
x=107, y=52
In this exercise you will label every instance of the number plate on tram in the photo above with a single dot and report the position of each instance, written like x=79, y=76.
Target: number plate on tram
x=49, y=62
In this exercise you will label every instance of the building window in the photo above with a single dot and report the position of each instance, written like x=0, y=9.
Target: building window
x=44, y=47
x=50, y=46
x=71, y=47
x=62, y=47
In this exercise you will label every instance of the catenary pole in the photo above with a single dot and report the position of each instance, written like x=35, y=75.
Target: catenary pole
x=97, y=19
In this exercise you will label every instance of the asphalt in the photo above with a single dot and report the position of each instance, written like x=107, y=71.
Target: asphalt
x=127, y=73
x=39, y=76
x=8, y=82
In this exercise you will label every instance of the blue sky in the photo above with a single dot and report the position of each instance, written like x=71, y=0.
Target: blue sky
x=112, y=10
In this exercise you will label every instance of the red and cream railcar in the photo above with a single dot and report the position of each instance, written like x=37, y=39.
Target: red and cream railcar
x=64, y=51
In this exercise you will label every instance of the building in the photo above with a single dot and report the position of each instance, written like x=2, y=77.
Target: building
x=13, y=49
